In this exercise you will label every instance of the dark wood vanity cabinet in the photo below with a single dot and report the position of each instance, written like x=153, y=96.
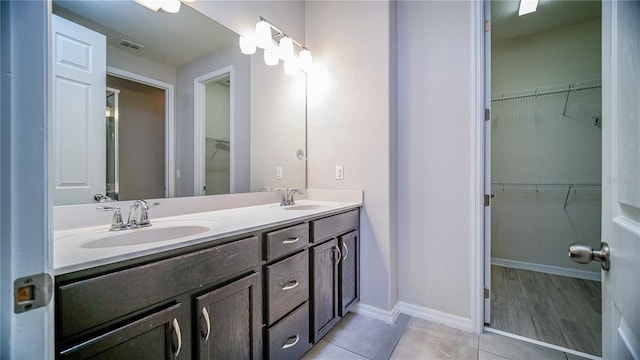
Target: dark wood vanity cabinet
x=155, y=336
x=155, y=310
x=230, y=322
x=268, y=294
x=335, y=270
x=286, y=279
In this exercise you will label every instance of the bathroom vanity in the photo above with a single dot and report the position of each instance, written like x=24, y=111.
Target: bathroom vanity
x=269, y=289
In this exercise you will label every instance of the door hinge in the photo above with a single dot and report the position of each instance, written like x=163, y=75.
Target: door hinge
x=487, y=25
x=487, y=114
x=32, y=292
x=487, y=293
x=487, y=199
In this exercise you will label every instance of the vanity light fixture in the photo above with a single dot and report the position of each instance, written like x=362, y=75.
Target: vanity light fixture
x=283, y=49
x=527, y=6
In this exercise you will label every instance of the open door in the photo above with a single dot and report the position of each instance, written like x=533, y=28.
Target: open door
x=621, y=178
x=487, y=162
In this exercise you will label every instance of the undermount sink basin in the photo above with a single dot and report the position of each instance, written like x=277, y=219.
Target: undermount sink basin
x=145, y=236
x=306, y=207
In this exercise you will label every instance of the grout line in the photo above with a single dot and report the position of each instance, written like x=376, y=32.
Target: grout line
x=543, y=344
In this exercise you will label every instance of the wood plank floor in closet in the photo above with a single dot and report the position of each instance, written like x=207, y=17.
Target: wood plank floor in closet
x=555, y=309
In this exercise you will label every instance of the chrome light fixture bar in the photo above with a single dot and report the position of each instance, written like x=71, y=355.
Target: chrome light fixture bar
x=274, y=51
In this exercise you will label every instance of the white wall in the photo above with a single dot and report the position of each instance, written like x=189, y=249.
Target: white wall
x=435, y=156
x=185, y=115
x=123, y=60
x=533, y=142
x=549, y=55
x=277, y=125
x=352, y=125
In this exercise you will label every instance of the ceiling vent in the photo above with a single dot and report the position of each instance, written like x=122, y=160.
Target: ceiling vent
x=130, y=44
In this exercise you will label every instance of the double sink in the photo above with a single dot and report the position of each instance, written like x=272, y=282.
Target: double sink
x=80, y=248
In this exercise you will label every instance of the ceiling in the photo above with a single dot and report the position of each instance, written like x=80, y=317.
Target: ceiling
x=551, y=14
x=171, y=39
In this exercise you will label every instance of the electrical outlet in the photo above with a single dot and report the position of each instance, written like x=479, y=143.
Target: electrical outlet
x=279, y=172
x=178, y=175
x=339, y=172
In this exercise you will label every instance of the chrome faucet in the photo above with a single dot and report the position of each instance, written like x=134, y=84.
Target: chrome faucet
x=287, y=197
x=138, y=216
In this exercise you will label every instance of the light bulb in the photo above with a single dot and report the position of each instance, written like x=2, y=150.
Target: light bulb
x=170, y=6
x=247, y=45
x=305, y=60
x=285, y=48
x=263, y=34
x=271, y=57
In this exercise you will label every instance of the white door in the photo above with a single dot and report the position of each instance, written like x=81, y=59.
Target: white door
x=621, y=178
x=79, y=58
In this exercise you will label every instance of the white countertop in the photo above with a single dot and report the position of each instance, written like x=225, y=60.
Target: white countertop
x=72, y=249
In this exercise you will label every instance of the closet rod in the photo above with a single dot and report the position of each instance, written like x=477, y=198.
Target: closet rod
x=500, y=98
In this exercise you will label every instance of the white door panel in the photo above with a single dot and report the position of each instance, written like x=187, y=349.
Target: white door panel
x=621, y=178
x=79, y=86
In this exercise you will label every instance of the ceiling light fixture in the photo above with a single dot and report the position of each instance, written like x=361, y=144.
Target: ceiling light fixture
x=263, y=38
x=527, y=6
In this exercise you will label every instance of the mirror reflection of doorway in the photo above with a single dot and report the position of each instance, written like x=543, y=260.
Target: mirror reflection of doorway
x=135, y=140
x=217, y=136
x=546, y=171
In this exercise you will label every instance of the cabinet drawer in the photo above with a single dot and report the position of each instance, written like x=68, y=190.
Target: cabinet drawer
x=331, y=226
x=287, y=240
x=289, y=339
x=85, y=304
x=287, y=285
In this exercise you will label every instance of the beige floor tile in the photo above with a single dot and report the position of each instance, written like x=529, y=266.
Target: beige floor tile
x=327, y=351
x=416, y=345
x=483, y=355
x=445, y=332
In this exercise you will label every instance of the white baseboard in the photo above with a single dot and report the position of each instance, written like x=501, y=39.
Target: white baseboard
x=373, y=312
x=440, y=317
x=549, y=269
x=413, y=310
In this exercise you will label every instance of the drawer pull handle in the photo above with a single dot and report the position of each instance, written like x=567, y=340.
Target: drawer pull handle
x=207, y=321
x=295, y=341
x=291, y=240
x=339, y=256
x=176, y=330
x=293, y=283
x=346, y=251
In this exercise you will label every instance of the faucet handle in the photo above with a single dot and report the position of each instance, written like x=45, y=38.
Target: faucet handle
x=116, y=220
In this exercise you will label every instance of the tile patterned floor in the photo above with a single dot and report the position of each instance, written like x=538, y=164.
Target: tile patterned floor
x=357, y=337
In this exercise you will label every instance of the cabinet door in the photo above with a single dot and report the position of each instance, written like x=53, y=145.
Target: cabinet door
x=324, y=259
x=349, y=272
x=156, y=336
x=229, y=321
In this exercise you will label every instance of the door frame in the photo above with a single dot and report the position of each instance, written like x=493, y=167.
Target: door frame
x=170, y=124
x=199, y=127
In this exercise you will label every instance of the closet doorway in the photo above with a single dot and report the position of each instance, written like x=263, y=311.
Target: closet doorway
x=546, y=170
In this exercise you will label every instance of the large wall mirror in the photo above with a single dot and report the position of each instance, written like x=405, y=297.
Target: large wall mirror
x=179, y=110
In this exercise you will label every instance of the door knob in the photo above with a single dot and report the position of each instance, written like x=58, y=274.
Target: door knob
x=584, y=254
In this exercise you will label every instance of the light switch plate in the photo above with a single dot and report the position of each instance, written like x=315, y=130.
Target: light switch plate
x=339, y=172
x=279, y=172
